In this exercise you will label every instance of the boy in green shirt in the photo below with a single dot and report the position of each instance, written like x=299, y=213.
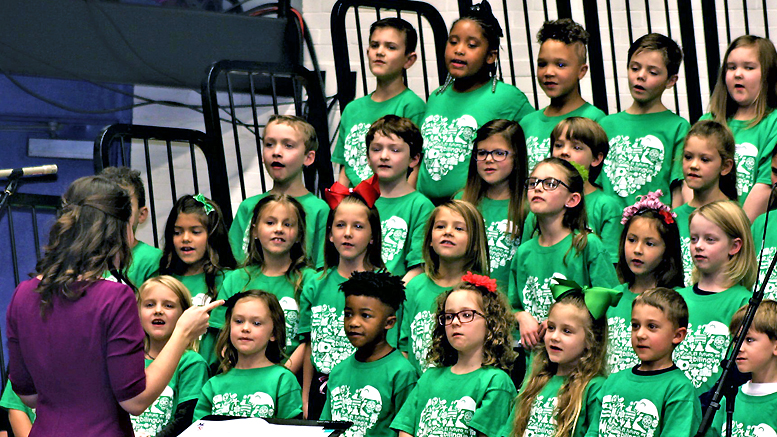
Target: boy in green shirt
x=145, y=258
x=654, y=398
x=646, y=140
x=394, y=147
x=561, y=65
x=391, y=52
x=756, y=401
x=290, y=145
x=370, y=386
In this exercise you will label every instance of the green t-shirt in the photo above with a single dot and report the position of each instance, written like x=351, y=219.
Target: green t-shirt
x=620, y=354
x=418, y=321
x=402, y=222
x=369, y=394
x=765, y=251
x=534, y=267
x=10, y=401
x=316, y=213
x=604, y=218
x=252, y=278
x=321, y=315
x=661, y=403
x=542, y=417
x=645, y=154
x=445, y=404
x=450, y=123
x=266, y=392
x=197, y=286
x=683, y=215
x=350, y=149
x=753, y=416
x=185, y=385
x=537, y=128
x=145, y=263
x=754, y=146
x=705, y=345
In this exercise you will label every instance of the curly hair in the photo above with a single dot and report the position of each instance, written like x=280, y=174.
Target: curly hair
x=592, y=363
x=498, y=344
x=298, y=254
x=88, y=239
x=387, y=288
x=566, y=31
x=275, y=348
x=218, y=255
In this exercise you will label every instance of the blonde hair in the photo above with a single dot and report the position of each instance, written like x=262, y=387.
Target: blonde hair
x=592, y=363
x=732, y=220
x=477, y=243
x=180, y=291
x=765, y=320
x=668, y=301
x=306, y=129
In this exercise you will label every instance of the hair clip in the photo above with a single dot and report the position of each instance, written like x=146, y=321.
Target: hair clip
x=580, y=169
x=205, y=204
x=369, y=190
x=649, y=201
x=480, y=281
x=597, y=299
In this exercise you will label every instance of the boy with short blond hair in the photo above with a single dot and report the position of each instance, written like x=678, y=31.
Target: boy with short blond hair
x=561, y=65
x=290, y=145
x=654, y=398
x=391, y=51
x=646, y=140
x=756, y=401
x=394, y=148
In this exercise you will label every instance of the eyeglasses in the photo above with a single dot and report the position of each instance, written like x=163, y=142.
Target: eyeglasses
x=548, y=184
x=497, y=155
x=465, y=316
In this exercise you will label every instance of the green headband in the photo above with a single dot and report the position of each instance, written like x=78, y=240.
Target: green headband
x=597, y=299
x=205, y=204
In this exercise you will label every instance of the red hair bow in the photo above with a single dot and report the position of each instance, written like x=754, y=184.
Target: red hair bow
x=480, y=281
x=668, y=219
x=369, y=190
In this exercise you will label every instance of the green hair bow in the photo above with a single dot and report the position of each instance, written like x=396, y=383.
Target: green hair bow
x=597, y=299
x=205, y=204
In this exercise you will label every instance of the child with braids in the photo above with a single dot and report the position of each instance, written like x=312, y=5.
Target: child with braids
x=561, y=396
x=469, y=390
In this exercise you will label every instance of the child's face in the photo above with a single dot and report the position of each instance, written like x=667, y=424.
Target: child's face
x=284, y=152
x=576, y=151
x=549, y=202
x=644, y=248
x=351, y=231
x=160, y=309
x=648, y=76
x=366, y=320
x=743, y=75
x=702, y=164
x=386, y=53
x=251, y=327
x=711, y=248
x=757, y=353
x=450, y=236
x=491, y=170
x=653, y=337
x=389, y=157
x=565, y=336
x=190, y=239
x=469, y=337
x=467, y=50
x=276, y=229
x=559, y=68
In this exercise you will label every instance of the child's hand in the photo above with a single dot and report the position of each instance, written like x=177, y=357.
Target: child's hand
x=194, y=321
x=531, y=330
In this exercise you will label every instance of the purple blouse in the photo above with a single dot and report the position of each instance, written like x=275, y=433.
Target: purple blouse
x=82, y=358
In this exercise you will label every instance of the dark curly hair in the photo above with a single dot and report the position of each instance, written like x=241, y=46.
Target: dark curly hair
x=387, y=288
x=566, y=31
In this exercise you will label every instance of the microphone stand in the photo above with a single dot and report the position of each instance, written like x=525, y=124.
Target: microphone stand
x=724, y=385
x=10, y=189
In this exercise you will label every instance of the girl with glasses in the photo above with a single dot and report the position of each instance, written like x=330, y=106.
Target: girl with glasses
x=495, y=184
x=562, y=247
x=468, y=391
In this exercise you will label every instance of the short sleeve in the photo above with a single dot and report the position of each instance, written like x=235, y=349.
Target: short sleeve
x=415, y=255
x=11, y=401
x=238, y=229
x=204, y=405
x=289, y=397
x=495, y=407
x=338, y=153
x=766, y=149
x=406, y=419
x=124, y=348
x=593, y=407
x=305, y=307
x=516, y=282
x=682, y=413
x=677, y=155
x=610, y=227
x=404, y=384
x=192, y=376
x=600, y=269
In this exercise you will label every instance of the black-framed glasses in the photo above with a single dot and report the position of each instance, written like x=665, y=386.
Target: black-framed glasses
x=465, y=316
x=548, y=184
x=497, y=155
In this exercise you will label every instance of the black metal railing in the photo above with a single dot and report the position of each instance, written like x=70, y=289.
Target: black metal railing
x=29, y=217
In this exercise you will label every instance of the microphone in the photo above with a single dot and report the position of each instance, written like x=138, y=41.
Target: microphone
x=28, y=171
